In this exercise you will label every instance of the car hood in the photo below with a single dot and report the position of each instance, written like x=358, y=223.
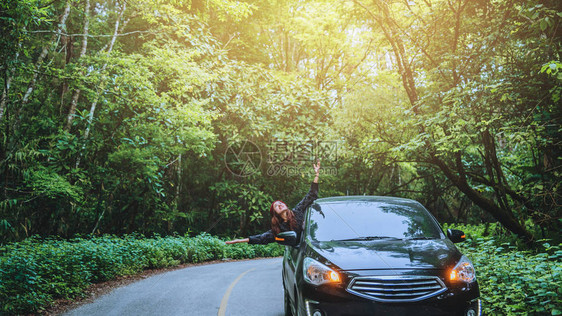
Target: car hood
x=393, y=254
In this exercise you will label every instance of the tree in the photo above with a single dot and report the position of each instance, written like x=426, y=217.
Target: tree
x=449, y=71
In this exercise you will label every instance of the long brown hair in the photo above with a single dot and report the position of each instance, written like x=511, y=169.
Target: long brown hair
x=276, y=219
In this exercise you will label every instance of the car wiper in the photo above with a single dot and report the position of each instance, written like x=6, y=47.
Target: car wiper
x=421, y=238
x=366, y=238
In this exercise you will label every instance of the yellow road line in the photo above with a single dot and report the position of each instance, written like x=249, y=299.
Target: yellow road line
x=224, y=301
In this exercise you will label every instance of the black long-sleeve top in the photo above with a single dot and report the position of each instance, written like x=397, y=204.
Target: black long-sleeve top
x=298, y=210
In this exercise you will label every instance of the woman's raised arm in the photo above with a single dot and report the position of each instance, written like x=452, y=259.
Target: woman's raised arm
x=312, y=193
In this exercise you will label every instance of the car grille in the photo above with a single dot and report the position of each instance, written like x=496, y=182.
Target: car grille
x=407, y=288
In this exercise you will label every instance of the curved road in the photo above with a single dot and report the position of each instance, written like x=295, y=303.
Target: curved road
x=242, y=288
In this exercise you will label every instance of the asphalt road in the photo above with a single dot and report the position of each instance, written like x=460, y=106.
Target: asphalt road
x=245, y=288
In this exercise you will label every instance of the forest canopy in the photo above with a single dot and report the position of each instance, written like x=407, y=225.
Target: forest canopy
x=177, y=116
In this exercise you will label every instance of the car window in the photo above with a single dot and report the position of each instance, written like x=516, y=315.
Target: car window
x=350, y=220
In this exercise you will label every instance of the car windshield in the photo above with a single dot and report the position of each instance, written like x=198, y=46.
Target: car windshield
x=360, y=220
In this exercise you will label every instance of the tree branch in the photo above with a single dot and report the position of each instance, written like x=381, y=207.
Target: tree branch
x=92, y=36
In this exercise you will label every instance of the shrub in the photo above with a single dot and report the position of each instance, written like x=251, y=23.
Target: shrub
x=513, y=281
x=35, y=272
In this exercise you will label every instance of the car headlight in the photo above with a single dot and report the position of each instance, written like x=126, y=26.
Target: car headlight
x=317, y=273
x=463, y=271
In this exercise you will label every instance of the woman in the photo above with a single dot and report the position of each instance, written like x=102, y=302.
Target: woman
x=284, y=219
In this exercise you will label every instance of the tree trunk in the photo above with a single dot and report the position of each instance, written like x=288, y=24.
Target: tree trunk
x=4, y=99
x=9, y=75
x=44, y=52
x=76, y=93
x=95, y=102
x=178, y=186
x=404, y=68
x=109, y=49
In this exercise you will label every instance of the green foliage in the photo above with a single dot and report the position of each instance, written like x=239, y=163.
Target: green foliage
x=18, y=17
x=45, y=182
x=241, y=200
x=35, y=272
x=517, y=282
x=513, y=281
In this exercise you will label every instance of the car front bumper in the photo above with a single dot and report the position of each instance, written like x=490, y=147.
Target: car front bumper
x=330, y=300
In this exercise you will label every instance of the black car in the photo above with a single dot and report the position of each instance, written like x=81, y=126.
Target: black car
x=369, y=255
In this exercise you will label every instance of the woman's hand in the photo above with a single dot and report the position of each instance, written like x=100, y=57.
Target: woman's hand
x=316, y=171
x=317, y=167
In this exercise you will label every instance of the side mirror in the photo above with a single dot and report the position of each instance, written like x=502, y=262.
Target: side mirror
x=456, y=235
x=288, y=238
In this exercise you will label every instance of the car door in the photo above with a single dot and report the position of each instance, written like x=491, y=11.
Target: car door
x=291, y=258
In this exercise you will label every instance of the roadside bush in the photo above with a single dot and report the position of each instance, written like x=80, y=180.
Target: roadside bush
x=513, y=281
x=35, y=272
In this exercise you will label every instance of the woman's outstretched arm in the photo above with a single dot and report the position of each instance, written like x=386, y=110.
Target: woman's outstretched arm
x=264, y=238
x=236, y=241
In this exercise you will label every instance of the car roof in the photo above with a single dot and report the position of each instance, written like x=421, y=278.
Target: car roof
x=366, y=198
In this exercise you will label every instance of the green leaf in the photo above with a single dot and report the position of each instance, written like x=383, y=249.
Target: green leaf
x=543, y=25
